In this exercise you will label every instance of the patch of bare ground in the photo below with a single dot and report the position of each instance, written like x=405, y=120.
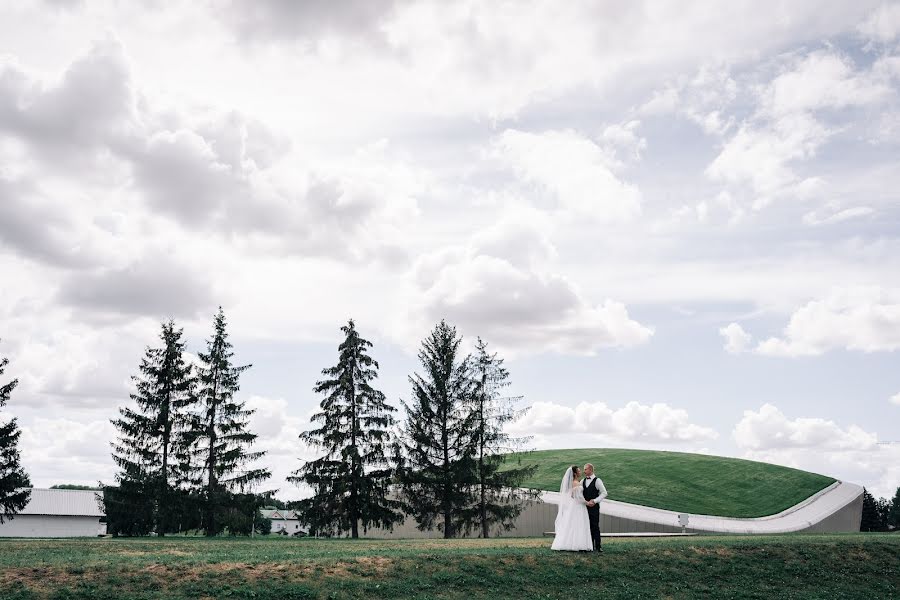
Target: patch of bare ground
x=716, y=551
x=154, y=552
x=475, y=543
x=372, y=565
x=38, y=578
x=858, y=553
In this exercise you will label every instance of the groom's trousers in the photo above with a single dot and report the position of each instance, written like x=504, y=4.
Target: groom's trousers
x=594, y=520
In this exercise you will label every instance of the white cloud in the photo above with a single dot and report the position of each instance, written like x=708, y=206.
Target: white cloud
x=269, y=20
x=814, y=218
x=516, y=302
x=703, y=99
x=883, y=24
x=67, y=450
x=207, y=169
x=633, y=423
x=623, y=142
x=573, y=169
x=895, y=399
x=662, y=102
x=736, y=339
x=821, y=446
x=821, y=79
x=278, y=432
x=785, y=130
x=158, y=288
x=77, y=365
x=761, y=156
x=768, y=428
x=865, y=319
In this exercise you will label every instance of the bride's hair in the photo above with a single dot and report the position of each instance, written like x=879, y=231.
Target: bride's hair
x=576, y=471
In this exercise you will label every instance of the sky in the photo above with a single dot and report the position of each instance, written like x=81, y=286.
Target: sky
x=679, y=224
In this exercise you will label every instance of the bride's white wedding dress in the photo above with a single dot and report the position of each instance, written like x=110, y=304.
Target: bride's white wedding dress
x=573, y=531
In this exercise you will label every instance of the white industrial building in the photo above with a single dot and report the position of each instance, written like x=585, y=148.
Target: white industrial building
x=57, y=513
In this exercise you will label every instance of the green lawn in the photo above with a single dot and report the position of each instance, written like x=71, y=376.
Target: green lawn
x=848, y=566
x=693, y=483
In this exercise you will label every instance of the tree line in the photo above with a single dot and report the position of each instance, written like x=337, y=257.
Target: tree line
x=444, y=465
x=184, y=450
x=184, y=447
x=880, y=514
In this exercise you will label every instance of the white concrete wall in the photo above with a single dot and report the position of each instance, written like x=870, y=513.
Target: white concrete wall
x=837, y=508
x=535, y=519
x=51, y=526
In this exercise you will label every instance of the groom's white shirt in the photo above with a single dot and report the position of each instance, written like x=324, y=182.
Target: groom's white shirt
x=600, y=487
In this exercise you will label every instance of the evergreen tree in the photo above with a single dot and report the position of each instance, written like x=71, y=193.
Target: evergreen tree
x=870, y=518
x=151, y=451
x=436, y=449
x=220, y=439
x=883, y=506
x=894, y=512
x=262, y=524
x=351, y=480
x=14, y=482
x=129, y=511
x=499, y=496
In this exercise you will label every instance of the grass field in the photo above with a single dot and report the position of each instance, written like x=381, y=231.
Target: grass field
x=692, y=483
x=799, y=566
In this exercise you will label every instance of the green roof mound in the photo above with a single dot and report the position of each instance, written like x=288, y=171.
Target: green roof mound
x=692, y=483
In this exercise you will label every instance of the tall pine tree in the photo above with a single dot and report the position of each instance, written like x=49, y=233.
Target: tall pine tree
x=351, y=480
x=14, y=482
x=499, y=496
x=893, y=519
x=152, y=452
x=437, y=448
x=870, y=520
x=220, y=437
x=894, y=512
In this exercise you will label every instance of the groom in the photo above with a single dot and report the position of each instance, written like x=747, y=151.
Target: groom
x=594, y=492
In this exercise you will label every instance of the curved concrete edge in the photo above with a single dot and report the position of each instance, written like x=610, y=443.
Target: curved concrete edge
x=834, y=508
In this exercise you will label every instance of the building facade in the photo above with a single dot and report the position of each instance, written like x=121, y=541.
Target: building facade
x=284, y=521
x=837, y=508
x=58, y=513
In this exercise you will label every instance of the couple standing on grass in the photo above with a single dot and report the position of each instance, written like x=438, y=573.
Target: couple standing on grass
x=578, y=520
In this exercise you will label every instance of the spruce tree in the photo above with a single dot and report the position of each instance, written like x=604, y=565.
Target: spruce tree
x=220, y=436
x=351, y=480
x=14, y=482
x=870, y=520
x=151, y=451
x=883, y=506
x=894, y=512
x=499, y=496
x=437, y=448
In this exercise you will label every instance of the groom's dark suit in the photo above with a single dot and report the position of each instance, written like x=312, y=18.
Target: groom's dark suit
x=592, y=492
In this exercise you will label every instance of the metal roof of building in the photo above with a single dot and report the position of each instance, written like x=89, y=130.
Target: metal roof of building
x=279, y=514
x=80, y=503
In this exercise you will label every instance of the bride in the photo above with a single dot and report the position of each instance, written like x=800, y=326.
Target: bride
x=573, y=531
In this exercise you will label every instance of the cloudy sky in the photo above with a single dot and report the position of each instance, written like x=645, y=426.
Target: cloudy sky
x=680, y=224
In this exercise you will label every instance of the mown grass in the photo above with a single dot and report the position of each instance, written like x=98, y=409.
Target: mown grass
x=692, y=483
x=798, y=566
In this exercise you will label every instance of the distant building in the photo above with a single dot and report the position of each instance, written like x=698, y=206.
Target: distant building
x=284, y=521
x=57, y=513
